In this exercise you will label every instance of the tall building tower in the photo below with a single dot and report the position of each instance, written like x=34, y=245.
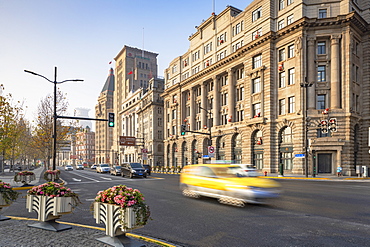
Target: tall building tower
x=279, y=84
x=134, y=69
x=103, y=133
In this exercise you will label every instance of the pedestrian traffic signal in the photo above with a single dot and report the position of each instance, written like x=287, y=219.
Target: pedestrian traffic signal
x=333, y=124
x=111, y=119
x=183, y=129
x=324, y=126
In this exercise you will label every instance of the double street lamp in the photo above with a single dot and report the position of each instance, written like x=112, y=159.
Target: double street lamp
x=306, y=85
x=55, y=109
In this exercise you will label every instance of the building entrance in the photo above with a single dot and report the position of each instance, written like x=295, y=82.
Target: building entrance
x=324, y=163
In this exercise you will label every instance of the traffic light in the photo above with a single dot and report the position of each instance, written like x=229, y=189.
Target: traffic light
x=333, y=124
x=324, y=126
x=110, y=119
x=183, y=129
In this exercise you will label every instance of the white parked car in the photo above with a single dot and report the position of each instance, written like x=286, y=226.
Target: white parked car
x=249, y=170
x=68, y=168
x=103, y=168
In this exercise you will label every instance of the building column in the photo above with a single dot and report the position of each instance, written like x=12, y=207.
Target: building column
x=231, y=95
x=216, y=101
x=311, y=72
x=192, y=109
x=335, y=72
x=204, y=104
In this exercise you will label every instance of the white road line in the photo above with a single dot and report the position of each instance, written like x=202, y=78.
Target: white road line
x=77, y=180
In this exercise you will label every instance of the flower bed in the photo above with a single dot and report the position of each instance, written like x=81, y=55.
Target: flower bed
x=53, y=189
x=7, y=194
x=121, y=208
x=51, y=175
x=24, y=177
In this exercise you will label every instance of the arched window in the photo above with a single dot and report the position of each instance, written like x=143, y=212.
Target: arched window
x=286, y=148
x=257, y=149
x=236, y=152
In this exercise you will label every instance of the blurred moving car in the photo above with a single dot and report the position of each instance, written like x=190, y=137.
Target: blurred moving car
x=102, y=168
x=68, y=168
x=148, y=169
x=79, y=167
x=228, y=183
x=249, y=170
x=115, y=170
x=133, y=170
x=93, y=166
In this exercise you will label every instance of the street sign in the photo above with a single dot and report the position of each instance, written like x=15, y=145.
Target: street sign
x=144, y=150
x=145, y=156
x=211, y=150
x=127, y=140
x=299, y=155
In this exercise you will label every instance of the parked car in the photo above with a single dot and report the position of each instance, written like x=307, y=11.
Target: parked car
x=68, y=168
x=133, y=170
x=93, y=166
x=102, y=168
x=79, y=167
x=115, y=170
x=227, y=183
x=249, y=170
x=148, y=169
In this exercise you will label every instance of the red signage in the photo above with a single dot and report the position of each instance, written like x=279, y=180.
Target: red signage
x=127, y=140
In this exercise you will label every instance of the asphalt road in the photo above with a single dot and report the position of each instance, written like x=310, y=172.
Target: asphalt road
x=309, y=213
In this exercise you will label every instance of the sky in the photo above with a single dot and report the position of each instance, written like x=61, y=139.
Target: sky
x=81, y=38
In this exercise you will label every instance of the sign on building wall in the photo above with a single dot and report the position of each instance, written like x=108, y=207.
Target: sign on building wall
x=127, y=141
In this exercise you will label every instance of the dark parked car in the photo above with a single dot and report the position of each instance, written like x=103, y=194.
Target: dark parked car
x=115, y=170
x=148, y=169
x=133, y=170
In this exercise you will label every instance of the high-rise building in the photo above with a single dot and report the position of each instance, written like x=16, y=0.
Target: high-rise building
x=281, y=83
x=103, y=133
x=134, y=68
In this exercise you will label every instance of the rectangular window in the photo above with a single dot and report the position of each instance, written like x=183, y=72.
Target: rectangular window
x=322, y=13
x=257, y=34
x=257, y=14
x=290, y=51
x=320, y=104
x=291, y=78
x=173, y=114
x=321, y=47
x=257, y=109
x=290, y=19
x=321, y=75
x=256, y=85
x=282, y=79
x=257, y=61
x=289, y=2
x=281, y=4
x=291, y=102
x=281, y=24
x=281, y=55
x=282, y=107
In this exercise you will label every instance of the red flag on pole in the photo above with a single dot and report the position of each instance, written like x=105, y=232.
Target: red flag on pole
x=130, y=73
x=110, y=62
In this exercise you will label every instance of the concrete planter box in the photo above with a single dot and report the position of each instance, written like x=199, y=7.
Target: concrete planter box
x=2, y=201
x=26, y=179
x=49, y=209
x=117, y=221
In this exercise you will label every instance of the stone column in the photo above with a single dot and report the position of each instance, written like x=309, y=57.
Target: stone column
x=204, y=104
x=216, y=101
x=192, y=109
x=311, y=72
x=335, y=72
x=231, y=95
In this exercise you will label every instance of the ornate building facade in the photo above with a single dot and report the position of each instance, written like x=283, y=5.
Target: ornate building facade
x=281, y=82
x=103, y=133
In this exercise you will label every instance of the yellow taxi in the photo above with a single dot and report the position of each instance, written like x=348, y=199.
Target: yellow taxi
x=228, y=183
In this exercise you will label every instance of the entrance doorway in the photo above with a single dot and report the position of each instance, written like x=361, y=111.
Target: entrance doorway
x=324, y=163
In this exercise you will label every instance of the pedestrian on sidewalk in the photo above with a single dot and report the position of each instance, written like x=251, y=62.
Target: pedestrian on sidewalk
x=339, y=171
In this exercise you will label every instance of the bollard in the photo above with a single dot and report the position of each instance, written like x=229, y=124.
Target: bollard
x=265, y=172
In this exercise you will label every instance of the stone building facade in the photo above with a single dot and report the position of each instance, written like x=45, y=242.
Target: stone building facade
x=134, y=69
x=262, y=82
x=103, y=133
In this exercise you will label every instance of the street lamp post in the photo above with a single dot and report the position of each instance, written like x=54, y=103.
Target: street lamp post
x=55, y=109
x=306, y=85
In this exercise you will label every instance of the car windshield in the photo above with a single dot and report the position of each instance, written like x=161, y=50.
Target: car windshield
x=228, y=172
x=118, y=167
x=136, y=165
x=104, y=165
